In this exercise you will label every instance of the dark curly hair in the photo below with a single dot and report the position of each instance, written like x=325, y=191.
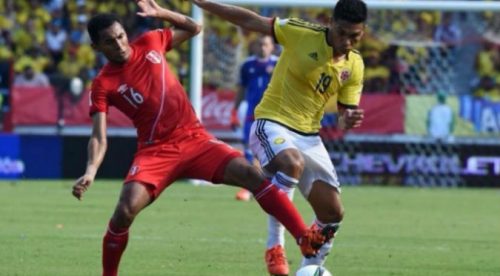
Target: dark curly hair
x=100, y=22
x=352, y=11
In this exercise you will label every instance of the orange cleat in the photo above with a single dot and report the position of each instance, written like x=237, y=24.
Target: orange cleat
x=243, y=195
x=276, y=261
x=311, y=242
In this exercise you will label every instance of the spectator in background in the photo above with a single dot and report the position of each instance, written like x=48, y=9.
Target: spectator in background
x=487, y=89
x=53, y=5
x=79, y=11
x=423, y=28
x=26, y=37
x=5, y=45
x=30, y=78
x=34, y=57
x=486, y=58
x=55, y=39
x=376, y=75
x=79, y=34
x=440, y=119
x=69, y=67
x=449, y=34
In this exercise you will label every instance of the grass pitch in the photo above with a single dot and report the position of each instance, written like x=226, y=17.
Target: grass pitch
x=196, y=230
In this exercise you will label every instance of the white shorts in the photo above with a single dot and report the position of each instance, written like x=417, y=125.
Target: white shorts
x=268, y=138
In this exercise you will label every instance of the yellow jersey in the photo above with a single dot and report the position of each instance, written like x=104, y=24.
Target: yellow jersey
x=306, y=77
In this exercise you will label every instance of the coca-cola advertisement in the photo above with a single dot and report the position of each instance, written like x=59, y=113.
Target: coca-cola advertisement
x=216, y=108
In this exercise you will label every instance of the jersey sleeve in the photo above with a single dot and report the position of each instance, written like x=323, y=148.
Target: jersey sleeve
x=98, y=100
x=160, y=39
x=289, y=31
x=350, y=93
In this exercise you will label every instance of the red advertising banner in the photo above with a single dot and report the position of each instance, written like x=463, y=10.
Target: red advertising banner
x=40, y=107
x=384, y=114
x=33, y=106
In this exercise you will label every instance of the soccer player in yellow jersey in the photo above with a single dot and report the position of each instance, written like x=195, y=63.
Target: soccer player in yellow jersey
x=317, y=63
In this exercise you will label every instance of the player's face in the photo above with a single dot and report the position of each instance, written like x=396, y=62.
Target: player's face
x=113, y=43
x=344, y=35
x=266, y=47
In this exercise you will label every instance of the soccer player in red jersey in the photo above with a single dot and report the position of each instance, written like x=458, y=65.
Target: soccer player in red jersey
x=172, y=144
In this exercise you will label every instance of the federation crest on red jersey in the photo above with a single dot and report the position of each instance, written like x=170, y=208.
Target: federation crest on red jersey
x=154, y=57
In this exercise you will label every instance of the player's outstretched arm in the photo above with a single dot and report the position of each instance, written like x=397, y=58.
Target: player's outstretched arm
x=96, y=150
x=242, y=17
x=185, y=27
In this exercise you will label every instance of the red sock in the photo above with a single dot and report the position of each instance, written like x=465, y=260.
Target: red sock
x=113, y=244
x=276, y=203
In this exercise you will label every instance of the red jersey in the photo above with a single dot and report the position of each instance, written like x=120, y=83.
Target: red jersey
x=146, y=90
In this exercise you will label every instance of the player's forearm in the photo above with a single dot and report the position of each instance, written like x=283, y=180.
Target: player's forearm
x=180, y=21
x=242, y=17
x=96, y=150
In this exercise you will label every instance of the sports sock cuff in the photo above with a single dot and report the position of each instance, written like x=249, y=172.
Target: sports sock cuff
x=116, y=231
x=263, y=189
x=321, y=225
x=284, y=180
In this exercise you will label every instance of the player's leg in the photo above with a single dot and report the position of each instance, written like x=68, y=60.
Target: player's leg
x=134, y=197
x=156, y=165
x=274, y=146
x=327, y=205
x=286, y=168
x=319, y=185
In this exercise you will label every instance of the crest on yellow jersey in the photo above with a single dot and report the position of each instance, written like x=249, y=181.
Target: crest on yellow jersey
x=345, y=75
x=279, y=141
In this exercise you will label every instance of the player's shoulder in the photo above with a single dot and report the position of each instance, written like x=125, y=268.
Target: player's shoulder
x=250, y=59
x=147, y=34
x=355, y=52
x=249, y=63
x=355, y=56
x=104, y=78
x=303, y=25
x=106, y=72
x=150, y=37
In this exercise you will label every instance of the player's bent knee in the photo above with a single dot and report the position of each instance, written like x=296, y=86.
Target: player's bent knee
x=291, y=164
x=252, y=179
x=124, y=215
x=338, y=214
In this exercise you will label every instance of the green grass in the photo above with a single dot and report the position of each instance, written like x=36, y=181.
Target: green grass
x=204, y=231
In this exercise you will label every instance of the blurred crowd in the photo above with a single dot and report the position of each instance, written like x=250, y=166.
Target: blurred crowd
x=49, y=45
x=487, y=65
x=404, y=52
